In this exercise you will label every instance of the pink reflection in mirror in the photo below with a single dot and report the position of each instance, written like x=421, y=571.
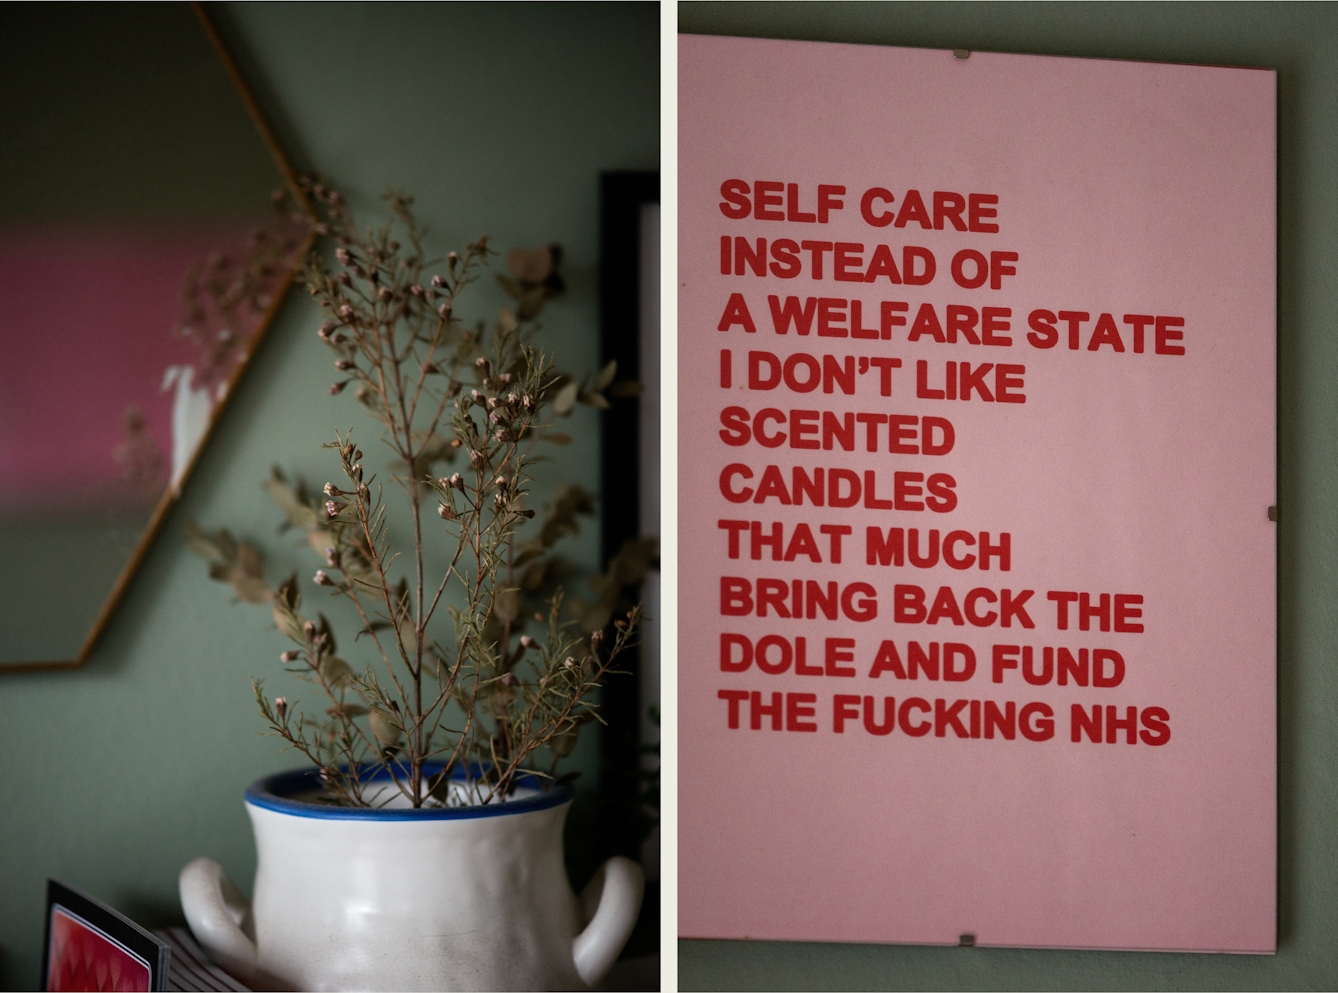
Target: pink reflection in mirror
x=118, y=345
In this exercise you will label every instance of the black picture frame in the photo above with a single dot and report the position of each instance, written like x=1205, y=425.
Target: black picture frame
x=622, y=198
x=100, y=921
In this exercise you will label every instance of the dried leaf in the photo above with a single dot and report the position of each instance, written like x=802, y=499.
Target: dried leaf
x=249, y=561
x=370, y=628
x=328, y=646
x=597, y=617
x=252, y=589
x=347, y=711
x=566, y=504
x=384, y=727
x=606, y=375
x=298, y=513
x=626, y=388
x=634, y=560
x=530, y=303
x=564, y=744
x=506, y=605
x=227, y=545
x=526, y=557
x=594, y=400
x=336, y=672
x=531, y=266
x=556, y=437
x=288, y=621
x=565, y=400
x=289, y=594
x=203, y=545
x=321, y=540
x=408, y=633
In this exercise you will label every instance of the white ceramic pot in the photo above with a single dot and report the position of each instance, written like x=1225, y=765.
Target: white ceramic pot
x=456, y=898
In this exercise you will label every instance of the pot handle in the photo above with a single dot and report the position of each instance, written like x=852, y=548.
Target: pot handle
x=611, y=903
x=217, y=914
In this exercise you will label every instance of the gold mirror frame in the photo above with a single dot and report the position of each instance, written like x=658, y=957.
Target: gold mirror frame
x=224, y=388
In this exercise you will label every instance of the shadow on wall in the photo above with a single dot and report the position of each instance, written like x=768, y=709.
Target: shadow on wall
x=147, y=909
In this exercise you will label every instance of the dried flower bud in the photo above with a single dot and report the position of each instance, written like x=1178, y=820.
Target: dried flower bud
x=332, y=558
x=344, y=256
x=445, y=311
x=333, y=507
x=597, y=638
x=527, y=402
x=512, y=399
x=527, y=514
x=504, y=435
x=331, y=490
x=453, y=260
x=281, y=706
x=508, y=679
x=453, y=389
x=288, y=656
x=337, y=388
x=476, y=395
x=343, y=365
x=478, y=459
x=481, y=362
x=446, y=513
x=321, y=579
x=570, y=663
x=418, y=291
x=504, y=378
x=458, y=482
x=361, y=394
x=345, y=311
x=438, y=282
x=527, y=642
x=455, y=442
x=386, y=294
x=308, y=628
x=356, y=471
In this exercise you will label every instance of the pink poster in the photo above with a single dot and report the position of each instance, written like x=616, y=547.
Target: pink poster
x=976, y=452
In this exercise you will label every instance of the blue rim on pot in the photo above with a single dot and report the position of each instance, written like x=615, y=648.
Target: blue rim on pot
x=278, y=791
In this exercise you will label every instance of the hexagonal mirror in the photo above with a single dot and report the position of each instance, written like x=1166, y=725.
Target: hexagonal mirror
x=148, y=230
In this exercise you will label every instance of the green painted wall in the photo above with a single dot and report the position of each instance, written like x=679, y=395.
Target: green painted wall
x=500, y=119
x=1301, y=42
